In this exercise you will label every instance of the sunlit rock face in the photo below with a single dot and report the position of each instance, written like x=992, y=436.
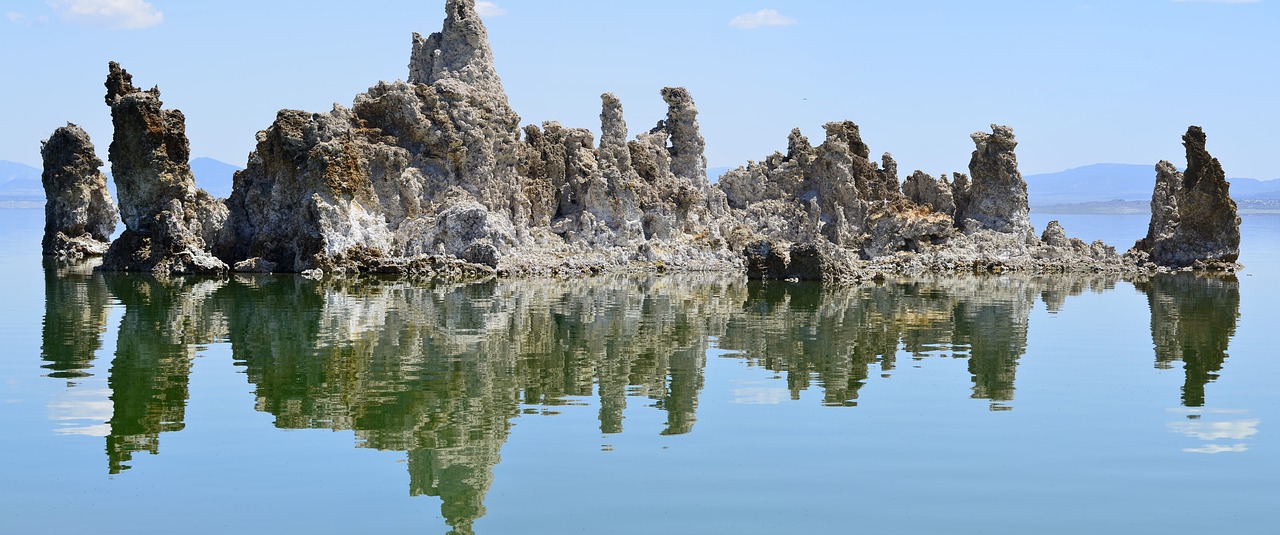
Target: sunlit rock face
x=996, y=197
x=1193, y=219
x=169, y=223
x=434, y=176
x=79, y=213
x=922, y=189
x=438, y=165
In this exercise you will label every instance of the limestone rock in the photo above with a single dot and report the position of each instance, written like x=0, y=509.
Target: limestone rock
x=384, y=175
x=924, y=190
x=434, y=176
x=169, y=223
x=960, y=194
x=886, y=186
x=675, y=197
x=1193, y=219
x=688, y=160
x=832, y=193
x=254, y=265
x=808, y=261
x=903, y=226
x=79, y=213
x=1054, y=235
x=459, y=51
x=997, y=195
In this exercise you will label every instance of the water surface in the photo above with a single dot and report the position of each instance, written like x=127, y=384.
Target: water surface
x=683, y=404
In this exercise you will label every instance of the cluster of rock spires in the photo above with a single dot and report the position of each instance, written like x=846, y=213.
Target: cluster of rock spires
x=434, y=176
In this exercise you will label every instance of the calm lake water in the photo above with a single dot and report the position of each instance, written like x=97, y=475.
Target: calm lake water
x=676, y=404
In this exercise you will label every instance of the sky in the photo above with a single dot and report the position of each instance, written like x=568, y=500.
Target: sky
x=1080, y=82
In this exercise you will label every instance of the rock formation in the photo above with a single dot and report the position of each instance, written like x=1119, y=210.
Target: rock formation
x=831, y=193
x=997, y=196
x=1193, y=219
x=168, y=221
x=437, y=167
x=79, y=215
x=434, y=176
x=924, y=190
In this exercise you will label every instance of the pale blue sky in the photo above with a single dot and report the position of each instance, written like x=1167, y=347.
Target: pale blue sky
x=1079, y=81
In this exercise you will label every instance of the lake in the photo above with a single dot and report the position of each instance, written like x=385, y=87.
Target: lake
x=665, y=404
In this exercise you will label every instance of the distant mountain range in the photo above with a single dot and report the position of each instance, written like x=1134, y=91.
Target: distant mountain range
x=20, y=183
x=1103, y=187
x=214, y=176
x=1103, y=182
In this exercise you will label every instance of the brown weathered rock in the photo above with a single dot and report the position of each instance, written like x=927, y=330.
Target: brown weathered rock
x=903, y=226
x=808, y=261
x=79, y=215
x=997, y=195
x=413, y=169
x=169, y=223
x=922, y=189
x=834, y=194
x=1193, y=219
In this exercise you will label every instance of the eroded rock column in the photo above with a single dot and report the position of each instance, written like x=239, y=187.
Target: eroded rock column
x=1193, y=219
x=79, y=215
x=997, y=195
x=169, y=223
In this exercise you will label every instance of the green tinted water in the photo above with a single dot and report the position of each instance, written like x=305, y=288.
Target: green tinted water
x=682, y=404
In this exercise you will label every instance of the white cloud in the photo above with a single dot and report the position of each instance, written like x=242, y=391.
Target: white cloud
x=113, y=14
x=1210, y=431
x=21, y=19
x=760, y=396
x=1214, y=448
x=762, y=18
x=490, y=9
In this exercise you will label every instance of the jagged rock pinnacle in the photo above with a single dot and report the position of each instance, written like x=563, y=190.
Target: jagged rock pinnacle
x=997, y=195
x=460, y=50
x=688, y=160
x=1193, y=219
x=79, y=213
x=169, y=223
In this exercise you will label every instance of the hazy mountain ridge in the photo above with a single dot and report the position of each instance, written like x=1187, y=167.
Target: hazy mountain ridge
x=1105, y=182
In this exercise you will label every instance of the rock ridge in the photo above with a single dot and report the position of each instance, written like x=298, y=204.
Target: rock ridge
x=435, y=175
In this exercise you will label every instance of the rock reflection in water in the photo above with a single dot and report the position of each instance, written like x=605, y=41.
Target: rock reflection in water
x=76, y=304
x=440, y=372
x=1193, y=317
x=163, y=323
x=839, y=337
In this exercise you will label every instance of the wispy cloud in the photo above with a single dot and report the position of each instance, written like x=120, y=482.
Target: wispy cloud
x=113, y=14
x=490, y=9
x=1209, y=431
x=1218, y=1
x=760, y=19
x=1215, y=448
x=21, y=19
